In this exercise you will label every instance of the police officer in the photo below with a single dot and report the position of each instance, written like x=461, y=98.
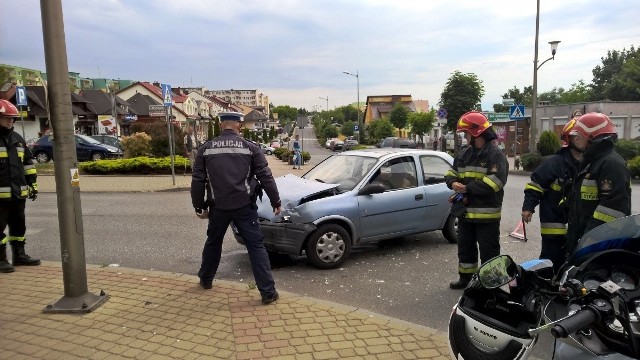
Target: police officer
x=17, y=183
x=478, y=176
x=550, y=184
x=602, y=192
x=234, y=171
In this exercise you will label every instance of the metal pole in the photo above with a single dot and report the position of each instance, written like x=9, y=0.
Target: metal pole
x=169, y=112
x=534, y=97
x=22, y=123
x=76, y=297
x=358, y=85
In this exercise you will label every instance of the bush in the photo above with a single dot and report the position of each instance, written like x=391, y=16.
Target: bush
x=530, y=161
x=159, y=137
x=634, y=167
x=278, y=152
x=139, y=166
x=628, y=149
x=306, y=156
x=138, y=144
x=549, y=143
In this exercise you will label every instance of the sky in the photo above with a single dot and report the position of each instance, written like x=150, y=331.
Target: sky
x=295, y=51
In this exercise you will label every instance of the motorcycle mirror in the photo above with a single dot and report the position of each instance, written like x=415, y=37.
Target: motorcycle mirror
x=497, y=272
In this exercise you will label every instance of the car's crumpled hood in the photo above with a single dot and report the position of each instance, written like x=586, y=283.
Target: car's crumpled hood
x=292, y=190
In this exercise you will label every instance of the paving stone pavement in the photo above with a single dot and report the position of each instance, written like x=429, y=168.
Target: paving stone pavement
x=159, y=315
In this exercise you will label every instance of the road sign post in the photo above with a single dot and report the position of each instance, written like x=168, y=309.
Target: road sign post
x=21, y=100
x=516, y=112
x=168, y=105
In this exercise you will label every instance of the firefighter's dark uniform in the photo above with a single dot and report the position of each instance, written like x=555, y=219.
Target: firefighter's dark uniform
x=602, y=192
x=549, y=187
x=17, y=183
x=484, y=173
x=234, y=170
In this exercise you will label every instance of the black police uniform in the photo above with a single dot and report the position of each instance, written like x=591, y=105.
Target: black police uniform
x=234, y=170
x=602, y=192
x=550, y=184
x=484, y=173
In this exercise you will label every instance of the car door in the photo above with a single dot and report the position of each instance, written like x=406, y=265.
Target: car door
x=400, y=209
x=436, y=191
x=82, y=150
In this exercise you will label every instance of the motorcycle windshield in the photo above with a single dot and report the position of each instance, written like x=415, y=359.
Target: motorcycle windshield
x=623, y=234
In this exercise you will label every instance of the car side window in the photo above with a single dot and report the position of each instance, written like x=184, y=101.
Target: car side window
x=399, y=173
x=433, y=169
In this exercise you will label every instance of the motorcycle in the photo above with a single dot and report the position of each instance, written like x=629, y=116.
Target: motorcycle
x=591, y=308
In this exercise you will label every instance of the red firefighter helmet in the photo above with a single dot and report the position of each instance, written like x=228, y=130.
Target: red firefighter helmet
x=473, y=122
x=566, y=131
x=591, y=125
x=7, y=109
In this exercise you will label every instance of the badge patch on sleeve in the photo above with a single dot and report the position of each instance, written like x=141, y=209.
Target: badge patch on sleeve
x=494, y=168
x=606, y=185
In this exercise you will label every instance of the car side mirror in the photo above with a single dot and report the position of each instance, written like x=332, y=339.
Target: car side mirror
x=371, y=189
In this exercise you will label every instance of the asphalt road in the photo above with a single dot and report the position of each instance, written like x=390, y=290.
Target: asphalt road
x=405, y=278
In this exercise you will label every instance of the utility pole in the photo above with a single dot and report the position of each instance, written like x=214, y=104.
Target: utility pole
x=76, y=297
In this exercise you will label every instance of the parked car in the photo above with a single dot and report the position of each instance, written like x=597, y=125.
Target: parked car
x=336, y=144
x=349, y=144
x=358, y=196
x=396, y=142
x=275, y=144
x=108, y=140
x=87, y=148
x=327, y=144
x=450, y=140
x=267, y=149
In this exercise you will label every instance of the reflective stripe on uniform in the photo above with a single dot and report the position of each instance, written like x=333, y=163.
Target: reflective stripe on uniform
x=553, y=229
x=589, y=190
x=34, y=186
x=494, y=182
x=24, y=191
x=15, y=238
x=555, y=186
x=5, y=192
x=606, y=214
x=533, y=186
x=30, y=170
x=217, y=151
x=467, y=268
x=483, y=213
x=452, y=172
x=3, y=152
x=20, y=152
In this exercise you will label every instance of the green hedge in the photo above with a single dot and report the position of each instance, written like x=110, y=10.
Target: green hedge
x=628, y=149
x=136, y=166
x=634, y=166
x=530, y=161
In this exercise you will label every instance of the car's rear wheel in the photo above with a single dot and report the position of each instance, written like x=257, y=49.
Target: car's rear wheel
x=450, y=230
x=97, y=156
x=269, y=152
x=328, y=247
x=42, y=157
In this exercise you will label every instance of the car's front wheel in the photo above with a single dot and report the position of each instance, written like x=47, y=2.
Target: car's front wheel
x=42, y=157
x=269, y=152
x=328, y=247
x=450, y=230
x=97, y=156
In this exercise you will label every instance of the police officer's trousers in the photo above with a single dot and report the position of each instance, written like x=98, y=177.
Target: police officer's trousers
x=246, y=221
x=471, y=236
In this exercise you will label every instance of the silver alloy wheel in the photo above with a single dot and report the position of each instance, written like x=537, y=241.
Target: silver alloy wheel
x=330, y=247
x=42, y=157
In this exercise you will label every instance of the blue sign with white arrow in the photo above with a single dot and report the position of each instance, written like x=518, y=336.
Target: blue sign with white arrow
x=516, y=112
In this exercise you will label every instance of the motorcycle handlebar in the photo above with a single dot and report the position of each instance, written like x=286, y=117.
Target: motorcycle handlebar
x=579, y=320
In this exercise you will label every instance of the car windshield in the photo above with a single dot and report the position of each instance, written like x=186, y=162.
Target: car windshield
x=345, y=170
x=88, y=140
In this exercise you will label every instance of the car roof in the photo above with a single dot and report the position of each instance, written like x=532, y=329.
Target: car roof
x=387, y=152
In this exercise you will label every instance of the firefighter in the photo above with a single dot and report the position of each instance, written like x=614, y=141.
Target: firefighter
x=478, y=177
x=602, y=192
x=549, y=187
x=17, y=183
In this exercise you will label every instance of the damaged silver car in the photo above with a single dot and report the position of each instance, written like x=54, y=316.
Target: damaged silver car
x=358, y=196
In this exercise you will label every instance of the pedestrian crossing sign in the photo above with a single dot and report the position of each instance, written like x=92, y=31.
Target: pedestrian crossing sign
x=166, y=95
x=516, y=112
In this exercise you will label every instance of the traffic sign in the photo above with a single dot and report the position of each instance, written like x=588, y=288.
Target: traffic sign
x=157, y=110
x=131, y=117
x=442, y=113
x=166, y=94
x=21, y=96
x=516, y=112
x=356, y=128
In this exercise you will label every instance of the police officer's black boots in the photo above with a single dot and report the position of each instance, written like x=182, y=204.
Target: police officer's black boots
x=20, y=258
x=462, y=282
x=5, y=267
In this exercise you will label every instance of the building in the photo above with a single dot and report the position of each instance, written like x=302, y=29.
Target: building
x=22, y=76
x=251, y=98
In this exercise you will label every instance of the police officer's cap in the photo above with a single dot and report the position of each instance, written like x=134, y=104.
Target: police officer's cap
x=231, y=116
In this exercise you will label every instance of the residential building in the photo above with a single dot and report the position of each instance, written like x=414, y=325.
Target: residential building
x=252, y=98
x=379, y=106
x=152, y=93
x=22, y=76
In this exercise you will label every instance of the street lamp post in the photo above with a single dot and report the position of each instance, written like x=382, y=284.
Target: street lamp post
x=358, y=98
x=534, y=97
x=327, y=98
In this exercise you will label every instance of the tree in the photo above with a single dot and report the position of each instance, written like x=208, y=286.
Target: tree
x=519, y=98
x=579, y=92
x=329, y=132
x=607, y=80
x=422, y=122
x=460, y=95
x=347, y=128
x=399, y=116
x=629, y=78
x=286, y=113
x=380, y=129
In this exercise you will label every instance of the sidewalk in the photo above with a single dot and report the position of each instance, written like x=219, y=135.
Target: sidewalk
x=159, y=315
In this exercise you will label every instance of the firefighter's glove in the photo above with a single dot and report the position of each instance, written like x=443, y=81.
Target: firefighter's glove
x=202, y=213
x=33, y=192
x=458, y=205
